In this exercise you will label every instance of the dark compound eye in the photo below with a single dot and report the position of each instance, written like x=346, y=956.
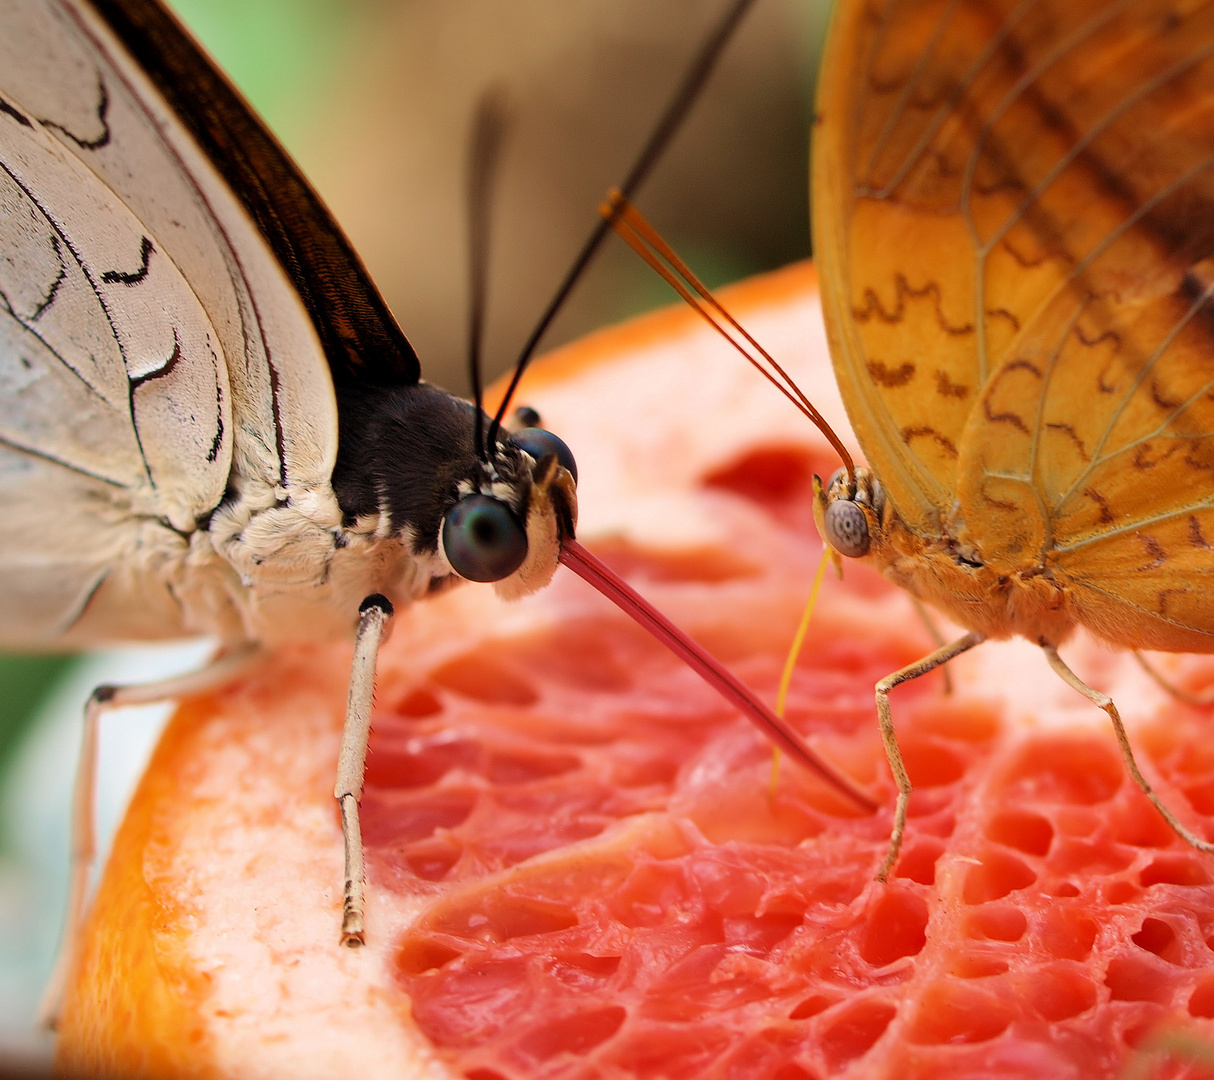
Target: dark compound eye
x=846, y=528
x=538, y=442
x=483, y=539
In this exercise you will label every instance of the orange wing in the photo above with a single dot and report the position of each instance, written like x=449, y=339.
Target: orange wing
x=1014, y=213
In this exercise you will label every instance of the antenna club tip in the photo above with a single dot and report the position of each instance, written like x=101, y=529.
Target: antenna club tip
x=613, y=206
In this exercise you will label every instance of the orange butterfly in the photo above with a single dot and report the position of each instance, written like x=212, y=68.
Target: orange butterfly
x=1014, y=220
x=1014, y=224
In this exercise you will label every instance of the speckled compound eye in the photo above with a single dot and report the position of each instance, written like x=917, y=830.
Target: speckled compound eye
x=483, y=539
x=846, y=528
x=538, y=442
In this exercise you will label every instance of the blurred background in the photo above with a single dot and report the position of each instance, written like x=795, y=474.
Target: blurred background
x=374, y=98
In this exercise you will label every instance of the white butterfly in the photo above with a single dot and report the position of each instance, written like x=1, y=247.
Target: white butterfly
x=210, y=423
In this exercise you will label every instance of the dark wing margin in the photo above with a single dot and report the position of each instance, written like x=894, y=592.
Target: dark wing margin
x=360, y=336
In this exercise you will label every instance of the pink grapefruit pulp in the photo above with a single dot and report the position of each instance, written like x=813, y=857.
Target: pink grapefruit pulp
x=577, y=866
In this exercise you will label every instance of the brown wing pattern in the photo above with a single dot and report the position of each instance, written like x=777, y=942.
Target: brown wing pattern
x=1025, y=238
x=902, y=95
x=361, y=338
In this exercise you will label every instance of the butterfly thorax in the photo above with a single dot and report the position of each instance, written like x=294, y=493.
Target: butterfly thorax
x=405, y=457
x=944, y=568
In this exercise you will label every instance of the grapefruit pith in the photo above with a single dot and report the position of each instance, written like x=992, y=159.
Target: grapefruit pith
x=577, y=864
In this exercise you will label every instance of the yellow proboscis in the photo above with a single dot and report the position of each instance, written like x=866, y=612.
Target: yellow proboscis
x=790, y=661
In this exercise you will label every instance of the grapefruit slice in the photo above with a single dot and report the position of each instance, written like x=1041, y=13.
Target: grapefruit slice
x=578, y=866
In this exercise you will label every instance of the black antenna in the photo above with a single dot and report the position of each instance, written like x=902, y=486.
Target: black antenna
x=484, y=154
x=686, y=94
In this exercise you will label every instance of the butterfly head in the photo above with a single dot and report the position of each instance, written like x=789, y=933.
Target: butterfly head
x=507, y=528
x=849, y=511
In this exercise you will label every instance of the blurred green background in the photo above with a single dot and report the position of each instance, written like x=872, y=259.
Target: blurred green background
x=374, y=99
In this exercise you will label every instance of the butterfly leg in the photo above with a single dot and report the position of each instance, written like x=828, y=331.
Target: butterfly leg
x=925, y=617
x=890, y=738
x=1200, y=700
x=1103, y=701
x=83, y=846
x=374, y=615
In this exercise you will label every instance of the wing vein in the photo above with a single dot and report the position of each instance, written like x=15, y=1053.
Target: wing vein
x=1098, y=128
x=1140, y=523
x=42, y=455
x=982, y=251
x=1047, y=513
x=228, y=252
x=1164, y=193
x=7, y=306
x=899, y=109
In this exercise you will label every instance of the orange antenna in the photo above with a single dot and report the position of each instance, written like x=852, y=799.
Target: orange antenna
x=645, y=240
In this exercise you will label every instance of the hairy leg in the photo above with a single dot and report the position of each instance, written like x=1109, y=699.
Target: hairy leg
x=1199, y=700
x=890, y=738
x=374, y=616
x=1103, y=701
x=220, y=671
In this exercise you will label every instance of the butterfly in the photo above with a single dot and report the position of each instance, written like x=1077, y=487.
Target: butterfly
x=210, y=423
x=1013, y=207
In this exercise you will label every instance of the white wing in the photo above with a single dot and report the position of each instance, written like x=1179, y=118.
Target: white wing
x=153, y=354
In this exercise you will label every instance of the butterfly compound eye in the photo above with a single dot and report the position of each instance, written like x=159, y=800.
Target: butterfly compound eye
x=483, y=539
x=846, y=528
x=538, y=442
